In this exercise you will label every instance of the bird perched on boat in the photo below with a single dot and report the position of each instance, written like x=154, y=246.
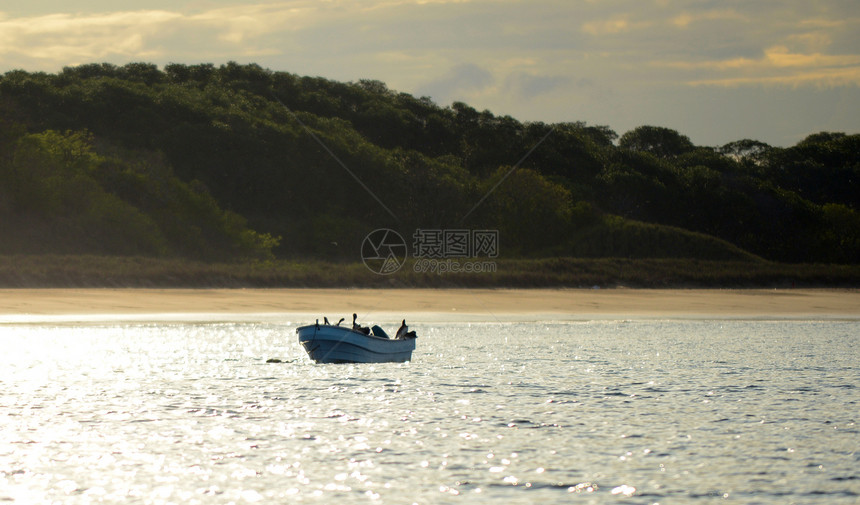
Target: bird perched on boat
x=359, y=328
x=325, y=320
x=404, y=333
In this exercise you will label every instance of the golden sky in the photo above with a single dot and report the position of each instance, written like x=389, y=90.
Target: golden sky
x=773, y=70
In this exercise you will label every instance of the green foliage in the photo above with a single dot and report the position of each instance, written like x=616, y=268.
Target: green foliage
x=530, y=212
x=617, y=237
x=823, y=168
x=215, y=162
x=747, y=151
x=657, y=140
x=63, y=197
x=840, y=234
x=73, y=271
x=57, y=206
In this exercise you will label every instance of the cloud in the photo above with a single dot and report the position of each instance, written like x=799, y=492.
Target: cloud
x=458, y=82
x=612, y=26
x=780, y=56
x=793, y=44
x=778, y=66
x=65, y=37
x=822, y=79
x=685, y=19
x=241, y=23
x=527, y=85
x=774, y=57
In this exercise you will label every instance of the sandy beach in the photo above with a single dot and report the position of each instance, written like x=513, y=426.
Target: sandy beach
x=478, y=304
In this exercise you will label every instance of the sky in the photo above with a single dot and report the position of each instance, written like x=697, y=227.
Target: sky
x=715, y=70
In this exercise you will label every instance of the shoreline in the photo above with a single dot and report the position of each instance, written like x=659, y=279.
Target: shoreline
x=31, y=305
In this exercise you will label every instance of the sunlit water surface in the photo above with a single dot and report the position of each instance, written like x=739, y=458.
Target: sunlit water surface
x=643, y=411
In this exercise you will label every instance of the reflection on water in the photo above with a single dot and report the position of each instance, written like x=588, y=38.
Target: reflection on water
x=611, y=411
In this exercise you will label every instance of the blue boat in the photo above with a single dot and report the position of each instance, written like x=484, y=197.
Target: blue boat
x=326, y=343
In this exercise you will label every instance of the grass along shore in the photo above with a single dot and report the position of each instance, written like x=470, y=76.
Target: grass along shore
x=52, y=271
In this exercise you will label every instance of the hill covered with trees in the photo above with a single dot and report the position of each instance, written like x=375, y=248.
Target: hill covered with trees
x=236, y=161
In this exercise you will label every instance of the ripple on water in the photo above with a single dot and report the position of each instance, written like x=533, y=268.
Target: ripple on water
x=692, y=411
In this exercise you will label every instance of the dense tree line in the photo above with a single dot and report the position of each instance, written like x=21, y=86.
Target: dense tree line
x=237, y=160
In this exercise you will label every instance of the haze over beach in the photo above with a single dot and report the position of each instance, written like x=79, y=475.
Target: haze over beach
x=771, y=71
x=434, y=304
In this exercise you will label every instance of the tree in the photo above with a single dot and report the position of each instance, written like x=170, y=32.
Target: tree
x=374, y=86
x=531, y=213
x=179, y=73
x=146, y=73
x=657, y=140
x=130, y=141
x=822, y=137
x=746, y=150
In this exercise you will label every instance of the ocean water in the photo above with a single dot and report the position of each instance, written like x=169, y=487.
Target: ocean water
x=633, y=411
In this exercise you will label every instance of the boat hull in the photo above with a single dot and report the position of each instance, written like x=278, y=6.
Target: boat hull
x=337, y=344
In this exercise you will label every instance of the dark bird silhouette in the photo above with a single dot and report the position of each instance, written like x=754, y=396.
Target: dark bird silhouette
x=404, y=333
x=325, y=320
x=359, y=328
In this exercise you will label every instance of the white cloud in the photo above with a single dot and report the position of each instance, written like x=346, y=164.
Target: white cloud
x=241, y=23
x=66, y=37
x=58, y=39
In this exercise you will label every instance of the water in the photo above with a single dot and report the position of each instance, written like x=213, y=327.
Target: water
x=643, y=411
